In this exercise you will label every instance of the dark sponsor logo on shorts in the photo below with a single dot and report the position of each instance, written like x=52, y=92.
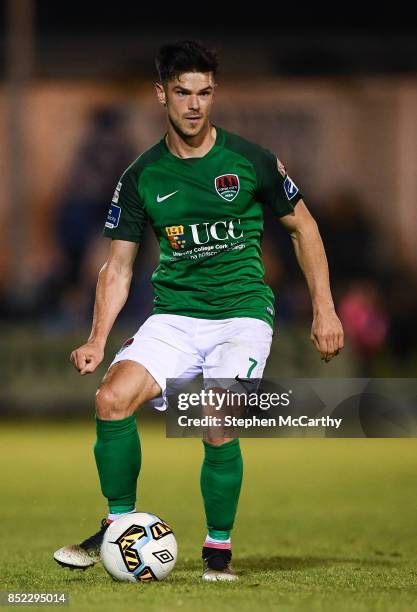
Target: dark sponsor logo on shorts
x=126, y=344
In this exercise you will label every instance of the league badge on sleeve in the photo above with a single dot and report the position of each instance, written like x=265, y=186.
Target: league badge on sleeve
x=290, y=188
x=113, y=216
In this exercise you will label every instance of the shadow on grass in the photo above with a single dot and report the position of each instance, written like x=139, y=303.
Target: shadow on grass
x=249, y=564
x=302, y=563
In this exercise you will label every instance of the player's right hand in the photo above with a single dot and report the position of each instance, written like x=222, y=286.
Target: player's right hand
x=87, y=357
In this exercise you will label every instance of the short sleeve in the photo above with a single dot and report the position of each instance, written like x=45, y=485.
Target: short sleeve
x=275, y=188
x=126, y=218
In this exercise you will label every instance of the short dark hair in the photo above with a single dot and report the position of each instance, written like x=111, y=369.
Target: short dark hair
x=176, y=58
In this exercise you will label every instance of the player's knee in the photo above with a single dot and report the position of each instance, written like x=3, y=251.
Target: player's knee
x=109, y=406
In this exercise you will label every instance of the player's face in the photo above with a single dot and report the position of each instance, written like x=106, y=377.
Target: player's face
x=188, y=101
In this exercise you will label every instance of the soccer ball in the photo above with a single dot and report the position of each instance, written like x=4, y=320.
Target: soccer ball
x=139, y=547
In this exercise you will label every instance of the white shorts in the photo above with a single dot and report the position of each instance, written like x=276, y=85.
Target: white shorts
x=175, y=346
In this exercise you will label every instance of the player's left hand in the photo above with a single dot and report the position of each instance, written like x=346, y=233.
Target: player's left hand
x=327, y=334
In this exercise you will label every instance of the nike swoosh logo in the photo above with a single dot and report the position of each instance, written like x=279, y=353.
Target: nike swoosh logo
x=160, y=199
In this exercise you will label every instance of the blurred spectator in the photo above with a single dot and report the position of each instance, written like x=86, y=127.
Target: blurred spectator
x=364, y=318
x=401, y=298
x=106, y=151
x=349, y=239
x=349, y=236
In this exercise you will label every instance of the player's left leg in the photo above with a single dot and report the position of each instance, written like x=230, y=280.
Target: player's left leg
x=220, y=482
x=238, y=347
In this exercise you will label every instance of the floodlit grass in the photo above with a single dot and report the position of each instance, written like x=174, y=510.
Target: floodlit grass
x=322, y=524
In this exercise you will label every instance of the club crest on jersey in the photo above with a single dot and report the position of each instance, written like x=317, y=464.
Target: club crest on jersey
x=176, y=236
x=227, y=186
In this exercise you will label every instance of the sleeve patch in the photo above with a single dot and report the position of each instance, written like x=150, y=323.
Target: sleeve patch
x=116, y=194
x=290, y=188
x=113, y=216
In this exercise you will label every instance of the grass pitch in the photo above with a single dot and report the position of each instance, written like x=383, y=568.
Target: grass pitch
x=322, y=524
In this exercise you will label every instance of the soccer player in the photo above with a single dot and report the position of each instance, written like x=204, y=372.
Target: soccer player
x=203, y=190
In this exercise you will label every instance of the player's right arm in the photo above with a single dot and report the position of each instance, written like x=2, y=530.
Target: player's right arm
x=111, y=294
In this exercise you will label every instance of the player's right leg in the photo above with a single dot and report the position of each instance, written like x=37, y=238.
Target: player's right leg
x=220, y=482
x=235, y=348
x=126, y=386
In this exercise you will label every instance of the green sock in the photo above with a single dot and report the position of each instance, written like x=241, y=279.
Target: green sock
x=220, y=481
x=118, y=458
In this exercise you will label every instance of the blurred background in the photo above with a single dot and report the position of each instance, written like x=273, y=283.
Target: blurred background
x=335, y=100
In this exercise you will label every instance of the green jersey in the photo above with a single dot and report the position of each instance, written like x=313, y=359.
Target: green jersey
x=207, y=215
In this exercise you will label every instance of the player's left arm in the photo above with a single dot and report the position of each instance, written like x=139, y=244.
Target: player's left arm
x=326, y=329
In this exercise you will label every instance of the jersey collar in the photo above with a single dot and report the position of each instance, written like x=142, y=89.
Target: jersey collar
x=193, y=160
